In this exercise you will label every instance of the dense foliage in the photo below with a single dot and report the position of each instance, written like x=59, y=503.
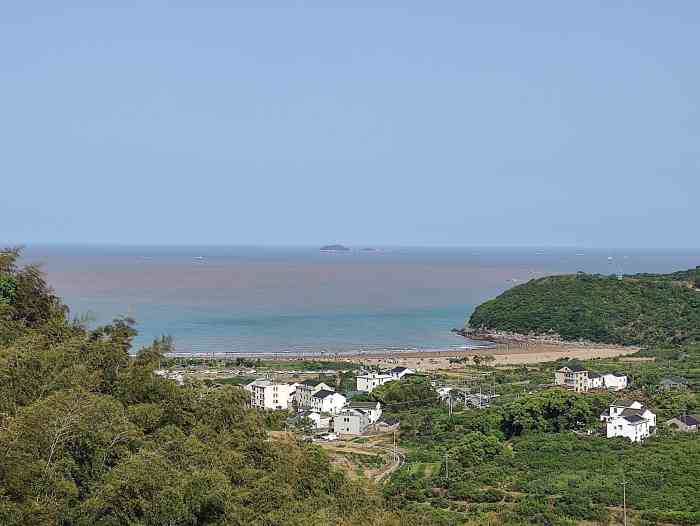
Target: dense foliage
x=537, y=455
x=90, y=436
x=643, y=309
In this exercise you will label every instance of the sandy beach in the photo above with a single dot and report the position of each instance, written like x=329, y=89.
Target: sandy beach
x=504, y=354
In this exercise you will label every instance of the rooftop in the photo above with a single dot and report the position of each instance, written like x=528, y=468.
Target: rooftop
x=635, y=419
x=689, y=420
x=363, y=405
x=623, y=403
x=323, y=393
x=311, y=383
x=674, y=380
x=349, y=411
x=573, y=368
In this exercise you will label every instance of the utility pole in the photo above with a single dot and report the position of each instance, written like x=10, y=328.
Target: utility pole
x=447, y=469
x=624, y=499
x=396, y=456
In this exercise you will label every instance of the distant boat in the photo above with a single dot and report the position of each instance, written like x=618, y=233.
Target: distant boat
x=334, y=248
x=199, y=258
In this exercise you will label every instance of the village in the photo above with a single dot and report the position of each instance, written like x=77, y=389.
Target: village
x=322, y=412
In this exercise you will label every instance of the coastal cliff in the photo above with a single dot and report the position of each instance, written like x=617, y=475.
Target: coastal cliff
x=640, y=309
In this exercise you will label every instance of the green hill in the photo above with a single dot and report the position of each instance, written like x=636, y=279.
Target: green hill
x=640, y=309
x=90, y=436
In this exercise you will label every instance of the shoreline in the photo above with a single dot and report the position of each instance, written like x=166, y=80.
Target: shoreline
x=303, y=354
x=514, y=353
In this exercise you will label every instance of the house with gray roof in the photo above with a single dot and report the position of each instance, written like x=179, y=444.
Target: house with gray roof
x=351, y=422
x=325, y=401
x=373, y=409
x=673, y=382
x=686, y=423
x=629, y=419
x=304, y=392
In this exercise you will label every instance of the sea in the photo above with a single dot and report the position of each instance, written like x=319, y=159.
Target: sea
x=221, y=299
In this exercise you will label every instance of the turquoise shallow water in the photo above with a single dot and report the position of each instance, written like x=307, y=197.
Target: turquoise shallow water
x=253, y=299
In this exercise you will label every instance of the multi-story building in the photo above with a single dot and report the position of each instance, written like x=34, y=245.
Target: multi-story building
x=372, y=409
x=350, y=422
x=572, y=377
x=595, y=381
x=266, y=394
x=629, y=419
x=325, y=401
x=303, y=397
x=367, y=382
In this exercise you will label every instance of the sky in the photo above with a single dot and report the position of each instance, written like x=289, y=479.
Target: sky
x=415, y=123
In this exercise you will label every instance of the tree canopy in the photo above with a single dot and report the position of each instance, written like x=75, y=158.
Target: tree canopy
x=89, y=435
x=642, y=309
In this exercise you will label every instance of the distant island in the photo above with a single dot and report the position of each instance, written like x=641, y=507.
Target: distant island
x=368, y=249
x=639, y=309
x=334, y=248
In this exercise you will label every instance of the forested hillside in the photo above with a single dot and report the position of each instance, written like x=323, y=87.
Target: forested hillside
x=642, y=309
x=90, y=436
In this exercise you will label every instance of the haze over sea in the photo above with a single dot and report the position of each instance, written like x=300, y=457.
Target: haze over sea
x=277, y=299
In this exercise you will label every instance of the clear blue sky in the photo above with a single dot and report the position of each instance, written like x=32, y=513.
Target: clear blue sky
x=426, y=123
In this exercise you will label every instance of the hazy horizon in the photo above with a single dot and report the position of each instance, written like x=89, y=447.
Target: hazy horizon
x=276, y=298
x=318, y=246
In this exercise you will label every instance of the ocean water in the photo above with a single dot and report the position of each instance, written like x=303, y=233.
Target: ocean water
x=280, y=299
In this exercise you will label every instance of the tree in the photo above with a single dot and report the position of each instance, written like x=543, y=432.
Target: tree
x=476, y=448
x=548, y=411
x=90, y=436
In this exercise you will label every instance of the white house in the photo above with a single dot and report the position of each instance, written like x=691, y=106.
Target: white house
x=351, y=422
x=372, y=409
x=399, y=372
x=595, y=381
x=319, y=421
x=249, y=385
x=269, y=395
x=629, y=419
x=305, y=391
x=327, y=401
x=615, y=382
x=367, y=382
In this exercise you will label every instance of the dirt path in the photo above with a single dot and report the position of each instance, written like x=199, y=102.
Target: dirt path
x=377, y=445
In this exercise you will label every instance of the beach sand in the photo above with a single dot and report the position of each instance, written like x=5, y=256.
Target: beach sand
x=504, y=354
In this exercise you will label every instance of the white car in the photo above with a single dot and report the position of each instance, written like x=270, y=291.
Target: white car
x=329, y=436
